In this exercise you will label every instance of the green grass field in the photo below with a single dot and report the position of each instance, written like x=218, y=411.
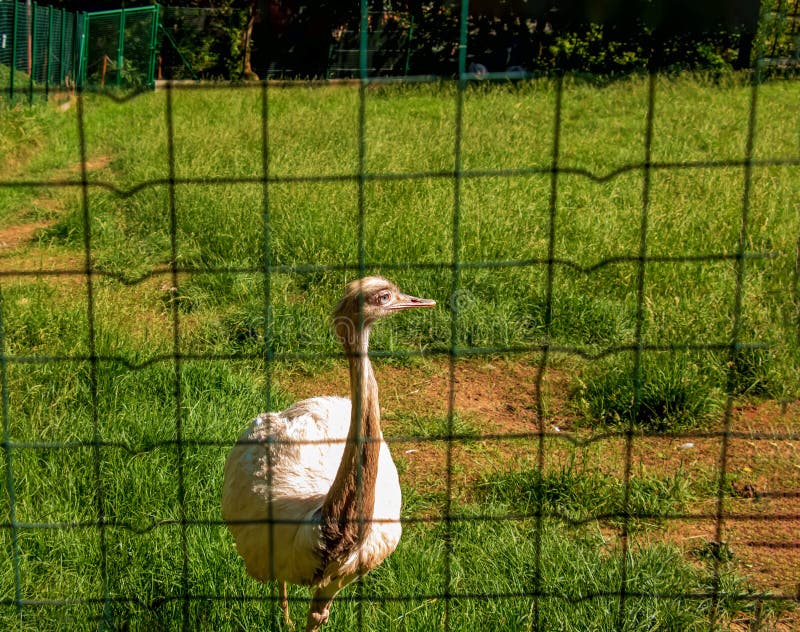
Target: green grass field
x=103, y=424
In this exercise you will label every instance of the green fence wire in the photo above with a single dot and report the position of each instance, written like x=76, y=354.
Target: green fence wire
x=108, y=29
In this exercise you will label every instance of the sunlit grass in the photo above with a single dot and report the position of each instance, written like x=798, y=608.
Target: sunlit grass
x=96, y=399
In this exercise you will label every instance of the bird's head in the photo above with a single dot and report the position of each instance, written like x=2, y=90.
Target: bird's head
x=368, y=299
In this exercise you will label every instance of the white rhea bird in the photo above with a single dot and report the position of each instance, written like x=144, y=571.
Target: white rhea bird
x=311, y=494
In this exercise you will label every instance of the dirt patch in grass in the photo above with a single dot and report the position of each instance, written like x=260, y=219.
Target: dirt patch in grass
x=498, y=395
x=14, y=236
x=92, y=164
x=59, y=267
x=760, y=494
x=17, y=250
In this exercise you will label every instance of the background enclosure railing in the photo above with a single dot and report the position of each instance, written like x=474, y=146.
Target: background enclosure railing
x=37, y=48
x=43, y=49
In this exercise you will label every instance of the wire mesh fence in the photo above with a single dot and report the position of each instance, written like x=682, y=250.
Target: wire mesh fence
x=36, y=47
x=104, y=456
x=120, y=48
x=782, y=30
x=43, y=49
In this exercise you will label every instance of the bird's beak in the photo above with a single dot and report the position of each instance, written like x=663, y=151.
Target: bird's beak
x=404, y=301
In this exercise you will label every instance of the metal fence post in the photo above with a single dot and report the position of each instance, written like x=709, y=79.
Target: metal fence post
x=62, y=56
x=48, y=52
x=120, y=46
x=408, y=46
x=76, y=52
x=73, y=53
x=14, y=20
x=151, y=66
x=31, y=48
x=78, y=47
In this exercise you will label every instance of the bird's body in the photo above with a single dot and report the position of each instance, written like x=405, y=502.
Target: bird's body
x=311, y=494
x=285, y=463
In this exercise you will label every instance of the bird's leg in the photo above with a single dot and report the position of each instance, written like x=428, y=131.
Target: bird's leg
x=318, y=612
x=285, y=606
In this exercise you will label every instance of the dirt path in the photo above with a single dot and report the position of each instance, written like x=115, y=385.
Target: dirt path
x=17, y=252
x=14, y=236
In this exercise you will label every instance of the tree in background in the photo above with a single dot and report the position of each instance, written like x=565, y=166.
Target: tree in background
x=266, y=38
x=250, y=39
x=294, y=38
x=208, y=35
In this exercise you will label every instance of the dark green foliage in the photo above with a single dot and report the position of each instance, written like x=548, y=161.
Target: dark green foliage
x=575, y=495
x=615, y=38
x=668, y=393
x=203, y=41
x=749, y=373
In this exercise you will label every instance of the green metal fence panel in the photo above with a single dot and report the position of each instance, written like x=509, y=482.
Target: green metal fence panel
x=6, y=42
x=21, y=31
x=388, y=47
x=67, y=51
x=120, y=48
x=36, y=53
x=43, y=48
x=101, y=51
x=40, y=21
x=53, y=45
x=141, y=32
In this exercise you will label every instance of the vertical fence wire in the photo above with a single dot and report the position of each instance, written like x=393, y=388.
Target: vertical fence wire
x=9, y=469
x=268, y=351
x=455, y=290
x=180, y=444
x=636, y=377
x=93, y=360
x=552, y=210
x=361, y=220
x=735, y=339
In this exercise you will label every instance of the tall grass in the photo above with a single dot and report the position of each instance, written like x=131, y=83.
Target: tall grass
x=108, y=503
x=504, y=219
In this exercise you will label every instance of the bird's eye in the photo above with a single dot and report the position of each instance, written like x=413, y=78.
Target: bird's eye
x=383, y=298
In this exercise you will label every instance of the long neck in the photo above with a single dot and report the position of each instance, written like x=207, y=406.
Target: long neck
x=351, y=499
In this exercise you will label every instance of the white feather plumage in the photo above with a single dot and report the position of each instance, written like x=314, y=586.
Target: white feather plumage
x=305, y=444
